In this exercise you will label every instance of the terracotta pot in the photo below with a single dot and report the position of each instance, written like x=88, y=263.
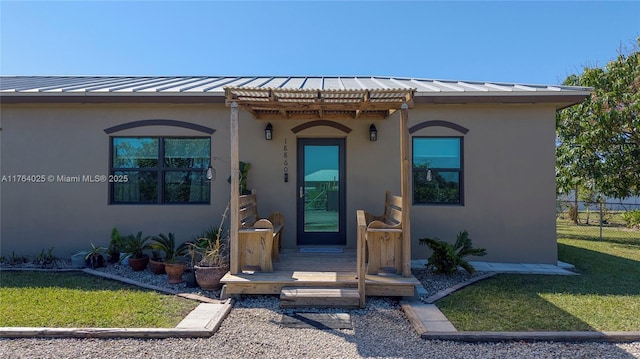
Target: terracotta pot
x=157, y=267
x=174, y=272
x=138, y=264
x=208, y=278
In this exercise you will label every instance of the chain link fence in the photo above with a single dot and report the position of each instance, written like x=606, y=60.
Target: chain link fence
x=601, y=220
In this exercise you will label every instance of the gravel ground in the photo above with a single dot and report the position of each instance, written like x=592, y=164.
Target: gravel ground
x=252, y=330
x=435, y=282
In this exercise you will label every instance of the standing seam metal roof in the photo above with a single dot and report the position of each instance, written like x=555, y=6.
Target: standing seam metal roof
x=214, y=85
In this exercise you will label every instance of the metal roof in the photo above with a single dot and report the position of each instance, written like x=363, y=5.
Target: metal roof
x=212, y=88
x=216, y=84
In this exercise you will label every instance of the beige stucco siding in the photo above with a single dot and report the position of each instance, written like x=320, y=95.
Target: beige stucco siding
x=509, y=188
x=509, y=182
x=70, y=140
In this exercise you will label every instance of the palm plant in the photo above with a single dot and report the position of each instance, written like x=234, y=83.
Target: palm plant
x=446, y=257
x=167, y=245
x=135, y=246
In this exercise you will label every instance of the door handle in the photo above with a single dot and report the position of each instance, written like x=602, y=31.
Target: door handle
x=301, y=192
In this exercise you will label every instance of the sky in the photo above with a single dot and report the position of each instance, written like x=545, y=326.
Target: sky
x=518, y=42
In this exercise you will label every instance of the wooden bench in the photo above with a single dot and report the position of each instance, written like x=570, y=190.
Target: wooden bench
x=383, y=236
x=258, y=238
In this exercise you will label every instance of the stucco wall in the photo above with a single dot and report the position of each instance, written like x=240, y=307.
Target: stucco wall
x=509, y=177
x=70, y=140
x=508, y=170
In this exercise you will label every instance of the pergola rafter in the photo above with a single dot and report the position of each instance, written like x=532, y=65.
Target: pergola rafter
x=304, y=104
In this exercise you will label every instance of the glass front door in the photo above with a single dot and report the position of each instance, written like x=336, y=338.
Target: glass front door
x=321, y=192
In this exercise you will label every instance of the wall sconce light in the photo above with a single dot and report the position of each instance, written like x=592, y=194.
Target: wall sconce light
x=268, y=132
x=373, y=133
x=429, y=176
x=210, y=173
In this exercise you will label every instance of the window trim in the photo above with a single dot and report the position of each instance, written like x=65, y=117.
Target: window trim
x=161, y=170
x=459, y=170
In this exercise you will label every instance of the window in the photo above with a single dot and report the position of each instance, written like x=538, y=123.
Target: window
x=160, y=170
x=437, y=170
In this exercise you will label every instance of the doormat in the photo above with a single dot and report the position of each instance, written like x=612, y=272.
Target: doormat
x=320, y=250
x=322, y=321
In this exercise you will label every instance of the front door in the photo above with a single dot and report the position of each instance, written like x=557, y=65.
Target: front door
x=321, y=191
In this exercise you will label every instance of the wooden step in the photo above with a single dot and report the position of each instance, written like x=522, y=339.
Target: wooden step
x=319, y=297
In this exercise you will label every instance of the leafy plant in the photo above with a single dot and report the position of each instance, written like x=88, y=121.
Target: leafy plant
x=632, y=218
x=155, y=255
x=244, y=173
x=210, y=249
x=446, y=257
x=94, y=257
x=116, y=245
x=15, y=259
x=167, y=245
x=135, y=246
x=46, y=259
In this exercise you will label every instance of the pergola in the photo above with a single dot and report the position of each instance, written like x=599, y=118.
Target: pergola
x=324, y=104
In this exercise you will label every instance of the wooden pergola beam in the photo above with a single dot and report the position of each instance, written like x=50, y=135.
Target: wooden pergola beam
x=304, y=105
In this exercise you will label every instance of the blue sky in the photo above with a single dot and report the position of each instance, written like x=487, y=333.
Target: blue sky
x=526, y=42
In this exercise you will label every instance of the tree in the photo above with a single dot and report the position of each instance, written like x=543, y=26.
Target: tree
x=598, y=141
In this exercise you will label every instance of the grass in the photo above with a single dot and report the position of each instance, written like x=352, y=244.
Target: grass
x=68, y=300
x=604, y=297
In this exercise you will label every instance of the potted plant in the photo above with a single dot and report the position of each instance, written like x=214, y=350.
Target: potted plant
x=211, y=253
x=116, y=246
x=213, y=262
x=94, y=258
x=134, y=247
x=172, y=265
x=156, y=263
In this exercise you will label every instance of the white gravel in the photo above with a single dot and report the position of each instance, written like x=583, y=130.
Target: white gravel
x=252, y=330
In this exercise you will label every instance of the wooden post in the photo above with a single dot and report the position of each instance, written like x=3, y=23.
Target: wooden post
x=405, y=179
x=235, y=190
x=360, y=256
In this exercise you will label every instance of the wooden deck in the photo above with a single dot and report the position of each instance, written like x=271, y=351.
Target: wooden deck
x=320, y=270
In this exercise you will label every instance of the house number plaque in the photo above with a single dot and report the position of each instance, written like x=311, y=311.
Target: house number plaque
x=286, y=161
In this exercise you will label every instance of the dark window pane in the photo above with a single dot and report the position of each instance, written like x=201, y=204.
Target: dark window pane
x=187, y=152
x=186, y=187
x=442, y=187
x=135, y=152
x=436, y=153
x=141, y=187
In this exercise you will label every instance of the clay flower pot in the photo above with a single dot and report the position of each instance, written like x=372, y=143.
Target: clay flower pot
x=208, y=278
x=138, y=264
x=174, y=272
x=157, y=267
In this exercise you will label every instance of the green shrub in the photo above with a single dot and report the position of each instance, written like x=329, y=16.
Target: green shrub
x=632, y=218
x=446, y=257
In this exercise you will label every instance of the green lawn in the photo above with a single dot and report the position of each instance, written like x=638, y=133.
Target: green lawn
x=604, y=297
x=41, y=299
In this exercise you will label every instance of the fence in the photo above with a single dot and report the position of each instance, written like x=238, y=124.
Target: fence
x=600, y=220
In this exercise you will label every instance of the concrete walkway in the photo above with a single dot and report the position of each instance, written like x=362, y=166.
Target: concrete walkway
x=561, y=268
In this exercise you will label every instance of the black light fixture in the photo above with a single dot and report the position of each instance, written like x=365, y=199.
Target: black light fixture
x=268, y=132
x=373, y=133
